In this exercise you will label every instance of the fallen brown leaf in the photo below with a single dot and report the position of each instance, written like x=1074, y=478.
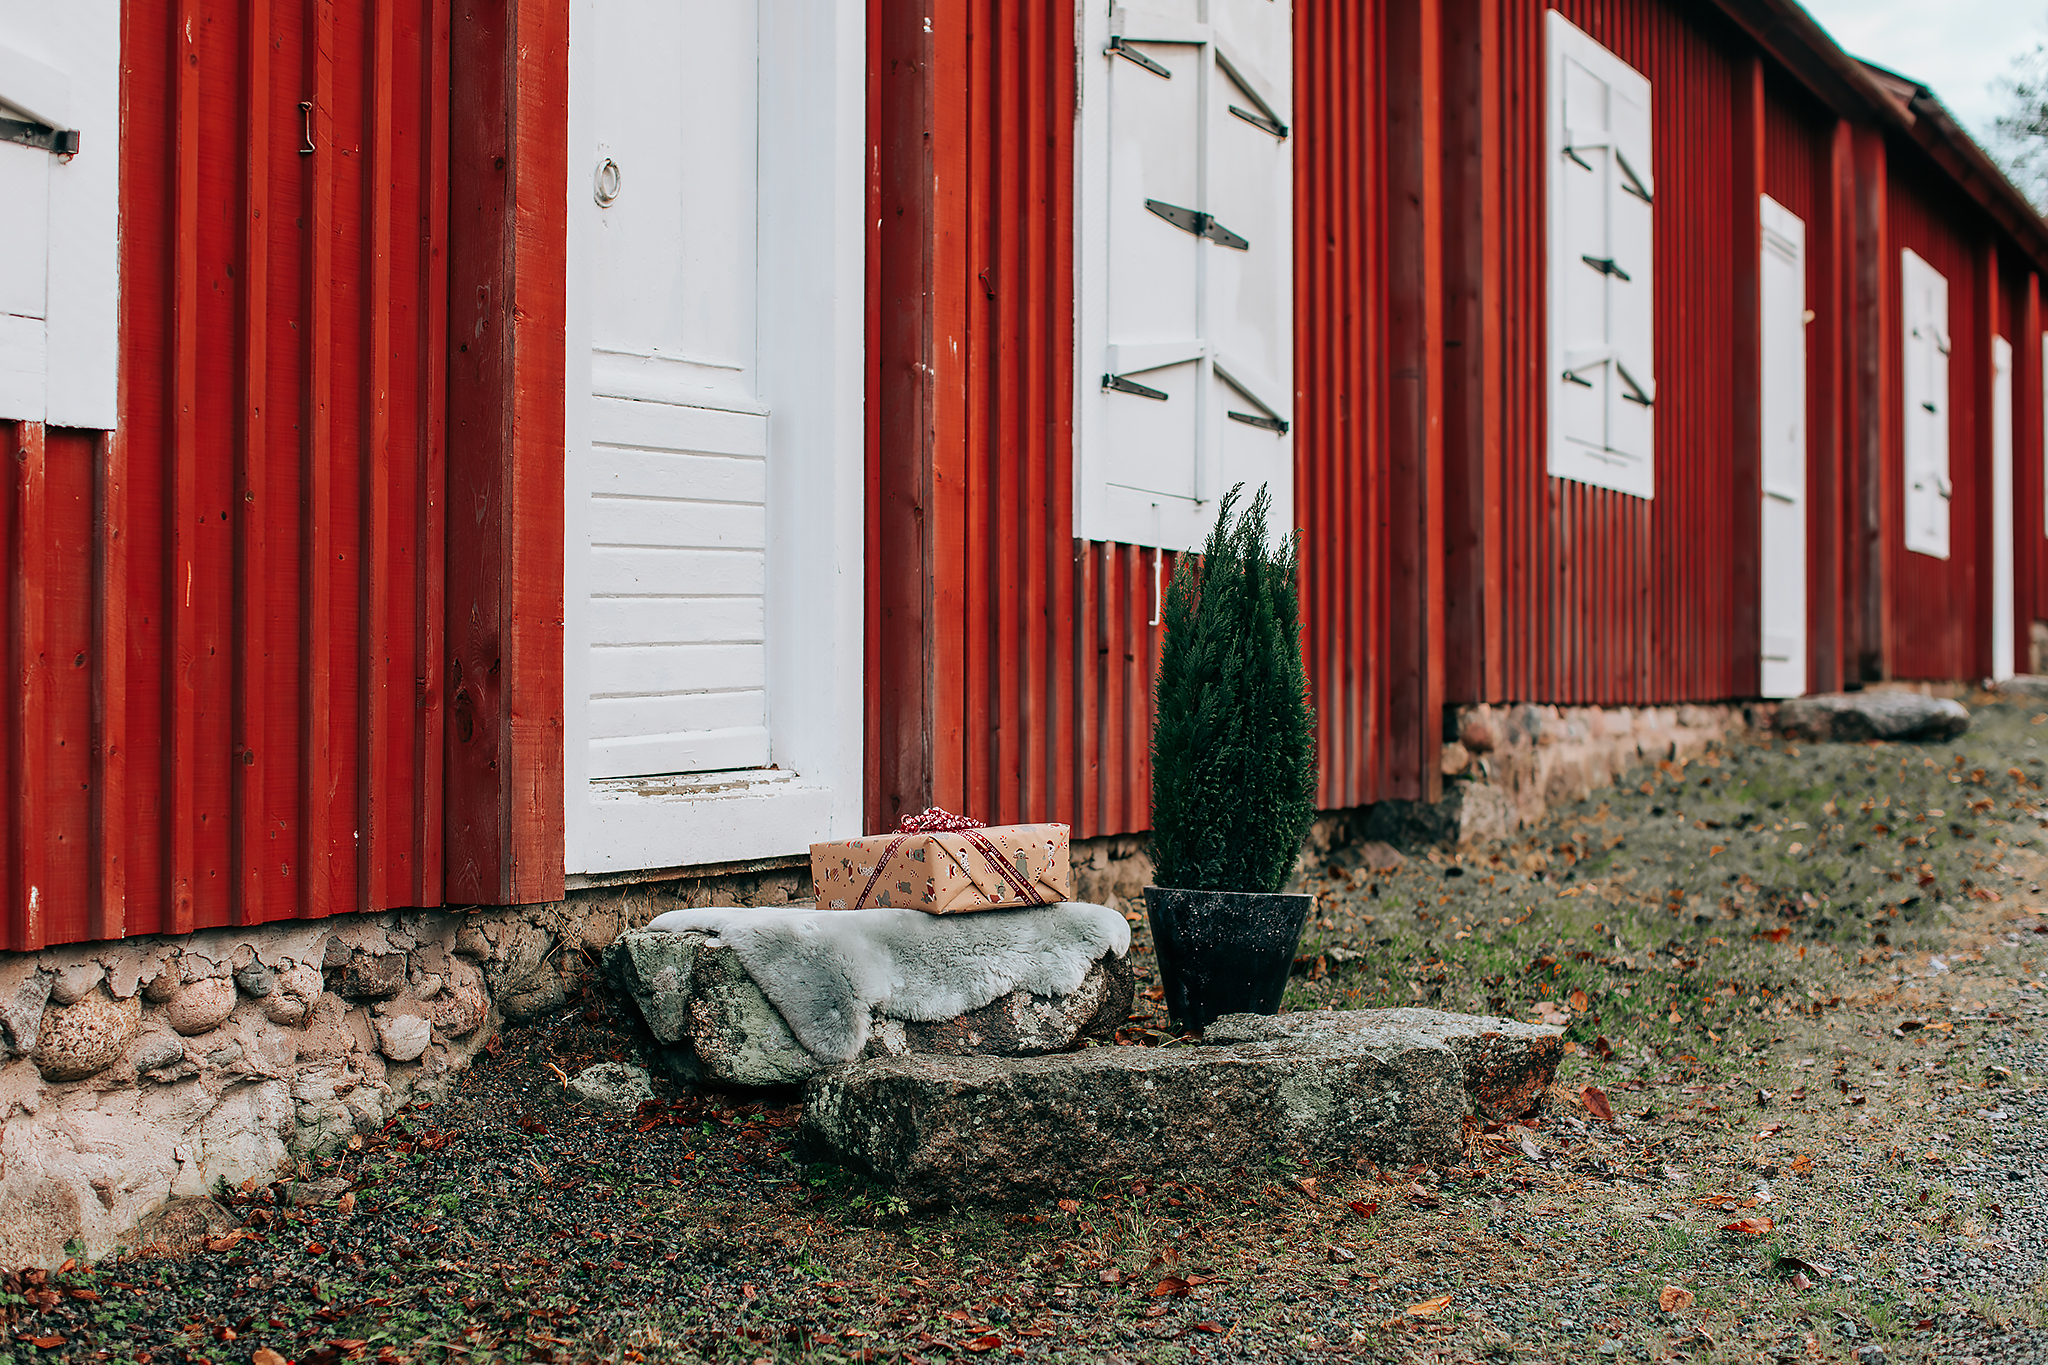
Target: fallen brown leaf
x=1596, y=1103
x=1577, y=1000
x=263, y=1355
x=1429, y=1307
x=987, y=1343
x=1673, y=1299
x=1365, y=1209
x=1172, y=1285
x=1603, y=1049
x=1110, y=1276
x=1068, y=1206
x=1209, y=1327
x=1750, y=1227
x=1338, y=1253
x=346, y=1205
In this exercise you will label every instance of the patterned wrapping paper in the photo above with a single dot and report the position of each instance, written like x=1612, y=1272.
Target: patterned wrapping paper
x=945, y=871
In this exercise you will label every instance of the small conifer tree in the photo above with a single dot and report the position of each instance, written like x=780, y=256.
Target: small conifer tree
x=1233, y=735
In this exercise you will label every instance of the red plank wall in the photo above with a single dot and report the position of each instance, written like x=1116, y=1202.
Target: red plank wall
x=226, y=622
x=1938, y=626
x=1010, y=666
x=1605, y=598
x=1805, y=157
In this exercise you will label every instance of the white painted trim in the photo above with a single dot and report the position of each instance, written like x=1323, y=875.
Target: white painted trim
x=812, y=96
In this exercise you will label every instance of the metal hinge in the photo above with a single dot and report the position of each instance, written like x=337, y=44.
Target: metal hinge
x=1116, y=383
x=1199, y=223
x=1253, y=419
x=62, y=141
x=1116, y=48
x=1606, y=266
x=1260, y=121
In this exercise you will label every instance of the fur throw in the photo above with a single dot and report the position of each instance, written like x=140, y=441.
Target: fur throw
x=828, y=972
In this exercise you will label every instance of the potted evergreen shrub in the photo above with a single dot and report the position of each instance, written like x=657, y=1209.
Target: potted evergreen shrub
x=1233, y=772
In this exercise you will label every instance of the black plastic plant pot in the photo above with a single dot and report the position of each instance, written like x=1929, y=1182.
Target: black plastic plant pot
x=1223, y=952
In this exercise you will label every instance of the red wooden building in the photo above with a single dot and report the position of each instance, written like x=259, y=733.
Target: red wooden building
x=458, y=459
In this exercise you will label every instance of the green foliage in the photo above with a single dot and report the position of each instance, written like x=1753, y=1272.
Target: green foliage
x=1233, y=742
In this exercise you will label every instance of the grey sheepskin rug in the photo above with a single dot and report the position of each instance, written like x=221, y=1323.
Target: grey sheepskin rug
x=828, y=972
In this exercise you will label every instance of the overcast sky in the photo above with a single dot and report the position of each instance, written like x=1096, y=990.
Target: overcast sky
x=1955, y=47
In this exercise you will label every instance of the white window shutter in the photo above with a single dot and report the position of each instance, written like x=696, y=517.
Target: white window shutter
x=1602, y=192
x=59, y=214
x=1186, y=270
x=1924, y=323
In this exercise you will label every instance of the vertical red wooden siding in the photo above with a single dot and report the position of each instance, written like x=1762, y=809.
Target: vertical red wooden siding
x=224, y=621
x=1341, y=302
x=1800, y=172
x=1606, y=598
x=1938, y=626
x=1010, y=666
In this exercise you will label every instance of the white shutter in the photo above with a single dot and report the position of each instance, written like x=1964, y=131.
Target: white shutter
x=1601, y=189
x=2001, y=510
x=1924, y=322
x=1186, y=279
x=1783, y=522
x=59, y=213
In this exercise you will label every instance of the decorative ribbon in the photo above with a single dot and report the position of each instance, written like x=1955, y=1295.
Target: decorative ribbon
x=938, y=821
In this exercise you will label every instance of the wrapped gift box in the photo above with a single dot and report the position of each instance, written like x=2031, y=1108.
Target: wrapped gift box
x=945, y=865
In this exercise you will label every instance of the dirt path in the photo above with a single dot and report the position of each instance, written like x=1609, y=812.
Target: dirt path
x=1806, y=984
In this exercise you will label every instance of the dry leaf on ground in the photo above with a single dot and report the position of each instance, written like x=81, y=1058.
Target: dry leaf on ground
x=1595, y=1100
x=1429, y=1307
x=1674, y=1299
x=1752, y=1227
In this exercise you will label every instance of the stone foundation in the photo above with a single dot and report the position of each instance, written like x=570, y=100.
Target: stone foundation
x=145, y=1070
x=1504, y=767
x=151, y=1069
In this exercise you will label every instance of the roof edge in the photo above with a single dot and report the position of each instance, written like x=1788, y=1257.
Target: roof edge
x=1856, y=89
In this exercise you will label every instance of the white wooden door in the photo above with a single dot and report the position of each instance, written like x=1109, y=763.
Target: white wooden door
x=1187, y=276
x=1783, y=571
x=712, y=532
x=1923, y=293
x=678, y=511
x=2002, y=625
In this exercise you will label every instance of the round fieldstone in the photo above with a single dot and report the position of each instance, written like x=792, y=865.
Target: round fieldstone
x=256, y=980
x=402, y=1037
x=74, y=983
x=613, y=1085
x=291, y=997
x=201, y=1005
x=85, y=1037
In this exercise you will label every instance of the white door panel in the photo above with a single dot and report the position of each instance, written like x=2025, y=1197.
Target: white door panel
x=1925, y=394
x=2002, y=626
x=1783, y=526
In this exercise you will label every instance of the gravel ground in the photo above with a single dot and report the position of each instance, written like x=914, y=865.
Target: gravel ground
x=1803, y=1118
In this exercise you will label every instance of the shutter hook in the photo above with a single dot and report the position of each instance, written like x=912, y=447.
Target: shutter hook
x=306, y=116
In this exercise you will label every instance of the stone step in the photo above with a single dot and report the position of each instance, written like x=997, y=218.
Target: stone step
x=1390, y=1086
x=1857, y=716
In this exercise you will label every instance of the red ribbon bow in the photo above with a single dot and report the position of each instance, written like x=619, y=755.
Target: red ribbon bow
x=937, y=821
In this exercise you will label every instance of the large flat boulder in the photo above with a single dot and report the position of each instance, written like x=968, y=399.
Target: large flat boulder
x=1857, y=716
x=698, y=1000
x=1391, y=1086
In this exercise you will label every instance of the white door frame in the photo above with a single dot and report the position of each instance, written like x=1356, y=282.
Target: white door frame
x=811, y=308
